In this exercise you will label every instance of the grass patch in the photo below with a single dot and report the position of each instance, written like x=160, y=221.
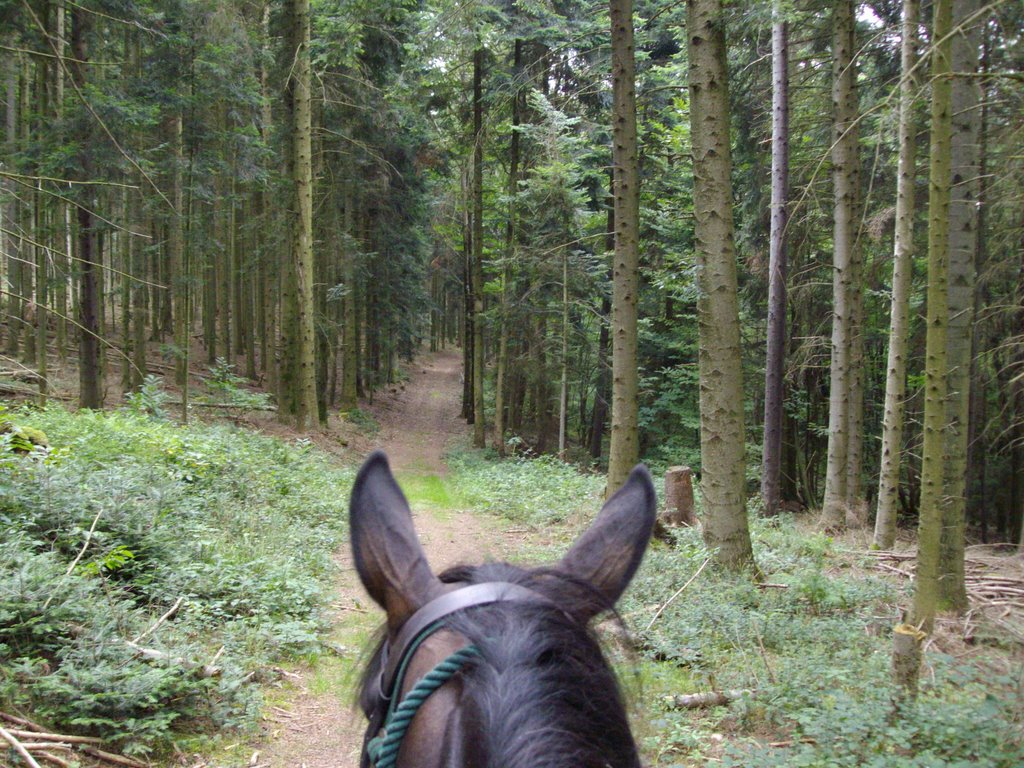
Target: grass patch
x=429, y=491
x=532, y=491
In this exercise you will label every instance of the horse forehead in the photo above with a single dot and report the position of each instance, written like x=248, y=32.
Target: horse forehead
x=436, y=726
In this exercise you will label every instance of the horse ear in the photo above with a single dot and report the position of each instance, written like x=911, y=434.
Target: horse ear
x=389, y=559
x=609, y=552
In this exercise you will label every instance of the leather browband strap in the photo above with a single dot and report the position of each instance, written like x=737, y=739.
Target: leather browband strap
x=437, y=609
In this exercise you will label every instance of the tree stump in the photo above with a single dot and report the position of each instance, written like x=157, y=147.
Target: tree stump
x=679, y=505
x=906, y=659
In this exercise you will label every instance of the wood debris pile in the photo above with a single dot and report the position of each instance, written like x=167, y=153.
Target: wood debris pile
x=36, y=747
x=994, y=577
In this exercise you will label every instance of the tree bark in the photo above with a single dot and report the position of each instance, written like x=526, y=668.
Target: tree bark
x=721, y=386
x=624, y=451
x=926, y=591
x=775, y=355
x=479, y=419
x=12, y=242
x=844, y=179
x=963, y=246
x=902, y=272
x=510, y=245
x=304, y=375
x=350, y=333
x=90, y=394
x=602, y=389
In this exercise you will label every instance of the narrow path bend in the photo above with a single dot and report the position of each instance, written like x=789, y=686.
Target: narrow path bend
x=314, y=726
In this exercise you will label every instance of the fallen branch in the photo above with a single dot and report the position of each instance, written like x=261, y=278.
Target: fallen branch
x=173, y=610
x=679, y=591
x=791, y=742
x=204, y=670
x=112, y=758
x=235, y=406
x=54, y=736
x=31, y=739
x=19, y=748
x=709, y=699
x=49, y=756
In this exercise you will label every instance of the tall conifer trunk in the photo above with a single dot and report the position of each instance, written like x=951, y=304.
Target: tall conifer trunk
x=510, y=244
x=963, y=244
x=350, y=333
x=479, y=420
x=90, y=372
x=303, y=379
x=721, y=379
x=776, y=347
x=926, y=587
x=624, y=451
x=902, y=268
x=12, y=242
x=844, y=268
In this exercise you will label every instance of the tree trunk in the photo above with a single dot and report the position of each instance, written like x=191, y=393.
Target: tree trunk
x=12, y=241
x=844, y=179
x=510, y=245
x=27, y=223
x=467, y=303
x=479, y=419
x=721, y=385
x=602, y=392
x=304, y=374
x=624, y=451
x=926, y=591
x=563, y=392
x=349, y=361
x=977, y=453
x=90, y=373
x=902, y=271
x=775, y=356
x=963, y=244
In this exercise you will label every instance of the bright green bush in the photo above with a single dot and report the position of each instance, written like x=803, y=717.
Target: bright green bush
x=239, y=527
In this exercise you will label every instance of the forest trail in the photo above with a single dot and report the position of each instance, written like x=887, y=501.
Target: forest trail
x=314, y=723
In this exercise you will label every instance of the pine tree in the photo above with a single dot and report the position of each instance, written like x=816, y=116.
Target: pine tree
x=721, y=381
x=902, y=267
x=624, y=451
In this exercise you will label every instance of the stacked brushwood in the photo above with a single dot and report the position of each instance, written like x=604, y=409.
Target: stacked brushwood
x=36, y=746
x=994, y=577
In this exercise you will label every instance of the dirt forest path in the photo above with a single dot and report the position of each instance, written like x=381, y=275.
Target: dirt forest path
x=314, y=725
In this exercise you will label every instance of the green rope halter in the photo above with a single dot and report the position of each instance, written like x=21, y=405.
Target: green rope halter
x=383, y=748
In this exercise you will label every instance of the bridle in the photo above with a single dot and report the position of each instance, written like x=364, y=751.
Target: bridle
x=389, y=717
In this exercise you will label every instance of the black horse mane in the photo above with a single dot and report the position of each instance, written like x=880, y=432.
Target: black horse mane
x=541, y=693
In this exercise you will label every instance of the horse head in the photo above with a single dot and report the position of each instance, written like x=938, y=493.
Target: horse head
x=494, y=666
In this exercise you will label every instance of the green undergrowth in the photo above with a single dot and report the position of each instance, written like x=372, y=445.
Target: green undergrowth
x=122, y=518
x=812, y=645
x=533, y=491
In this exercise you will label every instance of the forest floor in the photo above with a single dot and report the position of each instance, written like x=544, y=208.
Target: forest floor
x=312, y=721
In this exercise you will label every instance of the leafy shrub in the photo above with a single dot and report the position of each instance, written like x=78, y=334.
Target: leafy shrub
x=122, y=518
x=229, y=388
x=150, y=398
